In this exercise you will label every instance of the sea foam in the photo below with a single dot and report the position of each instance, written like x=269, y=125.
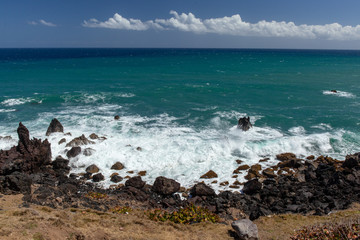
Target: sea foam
x=339, y=94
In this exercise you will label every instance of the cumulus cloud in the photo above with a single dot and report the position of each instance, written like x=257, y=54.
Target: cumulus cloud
x=232, y=25
x=42, y=22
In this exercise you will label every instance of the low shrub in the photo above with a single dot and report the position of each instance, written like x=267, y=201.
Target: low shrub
x=337, y=231
x=96, y=195
x=121, y=210
x=190, y=214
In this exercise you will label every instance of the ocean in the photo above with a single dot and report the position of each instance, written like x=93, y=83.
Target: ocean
x=179, y=108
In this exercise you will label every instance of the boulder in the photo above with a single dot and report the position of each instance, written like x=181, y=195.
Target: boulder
x=93, y=136
x=209, y=174
x=269, y=173
x=244, y=123
x=352, y=160
x=135, y=182
x=142, y=173
x=55, y=126
x=61, y=164
x=245, y=229
x=73, y=152
x=98, y=177
x=117, y=166
x=201, y=189
x=88, y=151
x=285, y=156
x=252, y=187
x=82, y=140
x=116, y=178
x=165, y=186
x=92, y=169
x=117, y=117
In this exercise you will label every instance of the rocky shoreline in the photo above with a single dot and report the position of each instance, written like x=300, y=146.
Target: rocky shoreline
x=306, y=186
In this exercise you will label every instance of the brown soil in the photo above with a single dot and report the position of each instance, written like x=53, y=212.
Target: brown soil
x=40, y=222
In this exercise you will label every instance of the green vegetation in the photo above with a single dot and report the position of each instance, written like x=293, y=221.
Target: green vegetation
x=96, y=195
x=121, y=210
x=188, y=215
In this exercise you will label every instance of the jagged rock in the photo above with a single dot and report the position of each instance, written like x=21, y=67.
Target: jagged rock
x=73, y=152
x=165, y=186
x=82, y=140
x=245, y=229
x=61, y=164
x=285, y=156
x=201, y=189
x=311, y=157
x=244, y=123
x=28, y=156
x=98, y=177
x=117, y=166
x=252, y=187
x=241, y=168
x=293, y=163
x=269, y=173
x=139, y=149
x=15, y=183
x=55, y=126
x=135, y=182
x=352, y=160
x=88, y=151
x=92, y=169
x=209, y=174
x=116, y=178
x=238, y=161
x=63, y=140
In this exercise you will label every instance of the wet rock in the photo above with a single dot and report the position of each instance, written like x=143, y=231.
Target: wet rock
x=269, y=173
x=135, y=182
x=61, y=164
x=93, y=136
x=55, y=126
x=88, y=151
x=285, y=156
x=92, y=169
x=238, y=161
x=201, y=189
x=252, y=187
x=82, y=140
x=241, y=168
x=209, y=174
x=311, y=157
x=139, y=149
x=116, y=178
x=73, y=152
x=98, y=177
x=224, y=183
x=352, y=161
x=245, y=229
x=165, y=186
x=63, y=140
x=293, y=163
x=6, y=138
x=117, y=166
x=142, y=173
x=117, y=117
x=264, y=160
x=244, y=123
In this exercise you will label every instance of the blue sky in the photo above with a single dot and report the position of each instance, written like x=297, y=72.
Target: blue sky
x=307, y=24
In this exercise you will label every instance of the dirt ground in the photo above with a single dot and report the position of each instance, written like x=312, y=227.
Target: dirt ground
x=40, y=222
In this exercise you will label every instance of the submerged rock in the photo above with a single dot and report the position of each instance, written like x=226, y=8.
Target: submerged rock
x=73, y=152
x=244, y=123
x=55, y=126
x=82, y=140
x=209, y=174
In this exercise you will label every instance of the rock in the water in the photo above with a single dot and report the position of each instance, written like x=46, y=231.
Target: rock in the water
x=92, y=169
x=209, y=174
x=269, y=173
x=116, y=178
x=352, y=160
x=63, y=140
x=252, y=186
x=202, y=189
x=245, y=229
x=117, y=166
x=135, y=182
x=98, y=177
x=88, y=151
x=244, y=123
x=117, y=117
x=165, y=186
x=55, y=126
x=142, y=173
x=93, y=136
x=82, y=140
x=28, y=157
x=285, y=156
x=73, y=152
x=334, y=91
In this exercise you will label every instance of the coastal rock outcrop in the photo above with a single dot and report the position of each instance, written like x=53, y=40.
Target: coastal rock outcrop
x=55, y=126
x=244, y=123
x=165, y=186
x=201, y=189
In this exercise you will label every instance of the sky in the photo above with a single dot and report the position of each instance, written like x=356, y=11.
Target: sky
x=305, y=24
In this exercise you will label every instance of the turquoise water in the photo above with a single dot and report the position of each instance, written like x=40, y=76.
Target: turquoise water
x=181, y=105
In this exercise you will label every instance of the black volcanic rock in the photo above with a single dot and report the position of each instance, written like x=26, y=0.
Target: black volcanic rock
x=73, y=152
x=165, y=186
x=244, y=123
x=135, y=182
x=55, y=126
x=201, y=189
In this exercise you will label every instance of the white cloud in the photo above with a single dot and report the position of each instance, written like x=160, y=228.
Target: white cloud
x=42, y=22
x=233, y=25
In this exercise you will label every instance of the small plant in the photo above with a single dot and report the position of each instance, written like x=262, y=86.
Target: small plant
x=190, y=214
x=342, y=231
x=96, y=195
x=121, y=210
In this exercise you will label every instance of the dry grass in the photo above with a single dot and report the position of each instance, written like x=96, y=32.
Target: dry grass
x=39, y=222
